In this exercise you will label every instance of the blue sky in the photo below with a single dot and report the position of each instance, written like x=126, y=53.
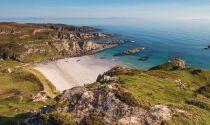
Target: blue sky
x=171, y=9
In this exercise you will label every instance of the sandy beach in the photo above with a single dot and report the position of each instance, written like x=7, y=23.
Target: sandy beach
x=71, y=72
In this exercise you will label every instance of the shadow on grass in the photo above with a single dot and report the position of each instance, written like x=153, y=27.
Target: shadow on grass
x=17, y=120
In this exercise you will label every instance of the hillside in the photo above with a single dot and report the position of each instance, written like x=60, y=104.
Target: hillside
x=129, y=96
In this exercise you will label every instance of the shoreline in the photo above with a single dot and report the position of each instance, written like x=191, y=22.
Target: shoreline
x=77, y=71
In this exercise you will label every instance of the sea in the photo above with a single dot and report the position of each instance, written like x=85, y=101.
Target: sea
x=162, y=39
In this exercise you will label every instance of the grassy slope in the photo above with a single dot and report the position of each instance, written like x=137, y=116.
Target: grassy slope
x=155, y=87
x=17, y=88
x=46, y=84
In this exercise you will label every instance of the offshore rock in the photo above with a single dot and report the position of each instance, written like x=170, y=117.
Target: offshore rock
x=130, y=52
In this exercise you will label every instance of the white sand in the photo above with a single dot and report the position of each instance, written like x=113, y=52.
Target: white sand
x=71, y=72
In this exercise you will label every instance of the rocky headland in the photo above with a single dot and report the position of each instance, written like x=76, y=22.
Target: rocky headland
x=40, y=42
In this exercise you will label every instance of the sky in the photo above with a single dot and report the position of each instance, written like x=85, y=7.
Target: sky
x=163, y=9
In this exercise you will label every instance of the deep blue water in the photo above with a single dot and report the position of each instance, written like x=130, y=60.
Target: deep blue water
x=162, y=40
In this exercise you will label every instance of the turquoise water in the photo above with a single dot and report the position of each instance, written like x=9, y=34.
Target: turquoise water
x=162, y=40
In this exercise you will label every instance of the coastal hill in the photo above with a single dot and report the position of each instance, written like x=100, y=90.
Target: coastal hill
x=171, y=93
x=132, y=97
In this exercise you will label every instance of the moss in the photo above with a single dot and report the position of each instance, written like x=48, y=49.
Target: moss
x=57, y=118
x=127, y=97
x=94, y=85
x=63, y=104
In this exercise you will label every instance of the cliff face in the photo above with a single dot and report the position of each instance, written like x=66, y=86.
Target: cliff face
x=133, y=97
x=35, y=42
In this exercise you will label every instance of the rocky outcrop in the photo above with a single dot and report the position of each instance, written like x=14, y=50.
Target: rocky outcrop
x=67, y=28
x=7, y=31
x=161, y=112
x=77, y=36
x=90, y=47
x=102, y=105
x=179, y=62
x=130, y=52
x=174, y=64
x=40, y=97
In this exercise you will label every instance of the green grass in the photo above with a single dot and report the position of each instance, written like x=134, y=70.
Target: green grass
x=146, y=89
x=18, y=87
x=57, y=118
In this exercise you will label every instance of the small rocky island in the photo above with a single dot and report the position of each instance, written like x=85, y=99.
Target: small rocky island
x=130, y=52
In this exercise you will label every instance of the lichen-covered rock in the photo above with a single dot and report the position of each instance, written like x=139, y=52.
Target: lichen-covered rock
x=161, y=112
x=41, y=96
x=101, y=105
x=105, y=78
